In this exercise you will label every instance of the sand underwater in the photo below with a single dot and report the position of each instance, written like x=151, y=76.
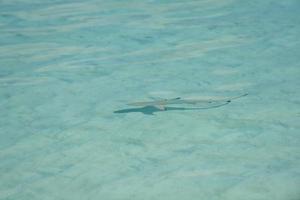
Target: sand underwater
x=68, y=68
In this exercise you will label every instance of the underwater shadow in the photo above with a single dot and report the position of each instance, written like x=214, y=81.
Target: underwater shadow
x=150, y=110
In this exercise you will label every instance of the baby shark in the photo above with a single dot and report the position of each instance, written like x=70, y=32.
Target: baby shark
x=162, y=103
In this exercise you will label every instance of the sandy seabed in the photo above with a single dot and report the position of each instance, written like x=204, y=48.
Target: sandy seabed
x=67, y=66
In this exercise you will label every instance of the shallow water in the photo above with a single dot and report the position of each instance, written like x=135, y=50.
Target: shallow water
x=68, y=69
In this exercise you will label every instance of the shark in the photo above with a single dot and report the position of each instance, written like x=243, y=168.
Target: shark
x=161, y=104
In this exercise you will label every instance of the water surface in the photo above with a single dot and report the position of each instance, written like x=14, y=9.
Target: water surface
x=67, y=66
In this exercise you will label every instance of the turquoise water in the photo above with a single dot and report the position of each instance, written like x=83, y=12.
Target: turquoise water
x=69, y=68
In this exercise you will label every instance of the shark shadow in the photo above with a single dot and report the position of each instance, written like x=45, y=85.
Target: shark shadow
x=150, y=110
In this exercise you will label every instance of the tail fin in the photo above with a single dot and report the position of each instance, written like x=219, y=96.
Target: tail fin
x=237, y=97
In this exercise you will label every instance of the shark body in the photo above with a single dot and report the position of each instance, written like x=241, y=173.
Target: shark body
x=162, y=103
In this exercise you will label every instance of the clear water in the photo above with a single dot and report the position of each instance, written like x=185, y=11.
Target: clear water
x=67, y=66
